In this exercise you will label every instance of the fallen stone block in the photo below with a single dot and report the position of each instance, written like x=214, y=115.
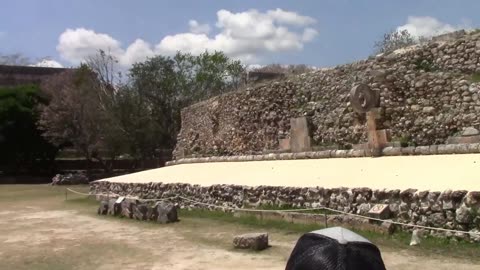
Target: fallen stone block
x=126, y=206
x=255, y=241
x=139, y=211
x=163, y=212
x=387, y=227
x=114, y=208
x=103, y=208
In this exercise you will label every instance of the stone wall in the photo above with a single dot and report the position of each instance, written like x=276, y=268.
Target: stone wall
x=457, y=210
x=20, y=75
x=427, y=93
x=442, y=149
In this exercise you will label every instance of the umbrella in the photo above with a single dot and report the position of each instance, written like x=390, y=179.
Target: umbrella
x=334, y=249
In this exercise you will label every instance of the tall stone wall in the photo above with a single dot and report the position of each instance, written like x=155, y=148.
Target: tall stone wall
x=427, y=93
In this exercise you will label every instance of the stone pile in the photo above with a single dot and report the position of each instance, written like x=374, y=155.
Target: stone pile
x=428, y=93
x=456, y=210
x=160, y=212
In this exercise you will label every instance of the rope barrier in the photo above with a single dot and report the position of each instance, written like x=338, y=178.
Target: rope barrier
x=283, y=210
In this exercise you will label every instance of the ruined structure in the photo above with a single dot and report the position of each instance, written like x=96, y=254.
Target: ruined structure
x=21, y=75
x=428, y=93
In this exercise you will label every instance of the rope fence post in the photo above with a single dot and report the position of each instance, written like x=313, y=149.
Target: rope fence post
x=325, y=217
x=66, y=194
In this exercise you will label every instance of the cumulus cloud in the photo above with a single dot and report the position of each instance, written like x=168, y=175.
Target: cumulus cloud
x=197, y=28
x=137, y=51
x=427, y=26
x=289, y=17
x=75, y=45
x=243, y=35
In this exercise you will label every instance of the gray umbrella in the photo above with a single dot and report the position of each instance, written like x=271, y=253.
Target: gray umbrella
x=334, y=249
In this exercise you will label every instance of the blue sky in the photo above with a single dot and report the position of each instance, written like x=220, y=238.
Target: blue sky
x=317, y=33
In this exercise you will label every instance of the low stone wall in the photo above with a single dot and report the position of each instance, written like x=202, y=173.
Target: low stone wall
x=442, y=149
x=457, y=210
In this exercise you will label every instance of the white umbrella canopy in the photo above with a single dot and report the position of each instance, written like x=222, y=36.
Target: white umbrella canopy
x=342, y=235
x=334, y=249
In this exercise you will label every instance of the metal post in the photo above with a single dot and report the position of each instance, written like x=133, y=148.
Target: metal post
x=66, y=194
x=325, y=216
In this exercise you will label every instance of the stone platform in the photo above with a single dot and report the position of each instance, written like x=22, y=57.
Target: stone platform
x=432, y=172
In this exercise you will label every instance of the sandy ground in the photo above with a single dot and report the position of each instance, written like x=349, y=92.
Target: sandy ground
x=39, y=230
x=436, y=173
x=36, y=237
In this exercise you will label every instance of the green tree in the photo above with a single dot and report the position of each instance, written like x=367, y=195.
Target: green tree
x=23, y=149
x=167, y=84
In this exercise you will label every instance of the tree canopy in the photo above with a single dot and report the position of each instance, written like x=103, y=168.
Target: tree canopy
x=21, y=143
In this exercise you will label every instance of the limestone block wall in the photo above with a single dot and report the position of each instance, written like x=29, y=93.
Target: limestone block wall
x=427, y=93
x=457, y=210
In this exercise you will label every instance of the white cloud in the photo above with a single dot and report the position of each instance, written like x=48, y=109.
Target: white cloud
x=288, y=17
x=309, y=34
x=427, y=26
x=137, y=51
x=197, y=28
x=75, y=45
x=244, y=35
x=48, y=63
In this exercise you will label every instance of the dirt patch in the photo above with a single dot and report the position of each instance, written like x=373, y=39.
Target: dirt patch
x=58, y=235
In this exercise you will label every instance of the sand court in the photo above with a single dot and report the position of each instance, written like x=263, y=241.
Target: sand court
x=432, y=172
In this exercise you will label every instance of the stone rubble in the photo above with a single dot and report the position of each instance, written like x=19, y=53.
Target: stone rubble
x=160, y=212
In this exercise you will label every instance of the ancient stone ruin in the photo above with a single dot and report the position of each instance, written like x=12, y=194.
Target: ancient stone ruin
x=427, y=94
x=450, y=209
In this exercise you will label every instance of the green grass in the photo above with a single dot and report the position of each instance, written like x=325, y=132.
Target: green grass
x=475, y=78
x=397, y=241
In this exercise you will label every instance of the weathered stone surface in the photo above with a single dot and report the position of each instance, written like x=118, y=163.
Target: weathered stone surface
x=103, y=208
x=255, y=241
x=437, y=219
x=463, y=215
x=140, y=211
x=126, y=206
x=392, y=151
x=114, y=209
x=380, y=211
x=470, y=131
x=388, y=227
x=449, y=209
x=473, y=199
x=423, y=101
x=164, y=213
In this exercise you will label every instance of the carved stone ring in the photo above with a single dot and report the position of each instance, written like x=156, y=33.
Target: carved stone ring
x=362, y=98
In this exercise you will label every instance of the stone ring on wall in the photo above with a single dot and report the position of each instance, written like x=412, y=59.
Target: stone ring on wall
x=362, y=98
